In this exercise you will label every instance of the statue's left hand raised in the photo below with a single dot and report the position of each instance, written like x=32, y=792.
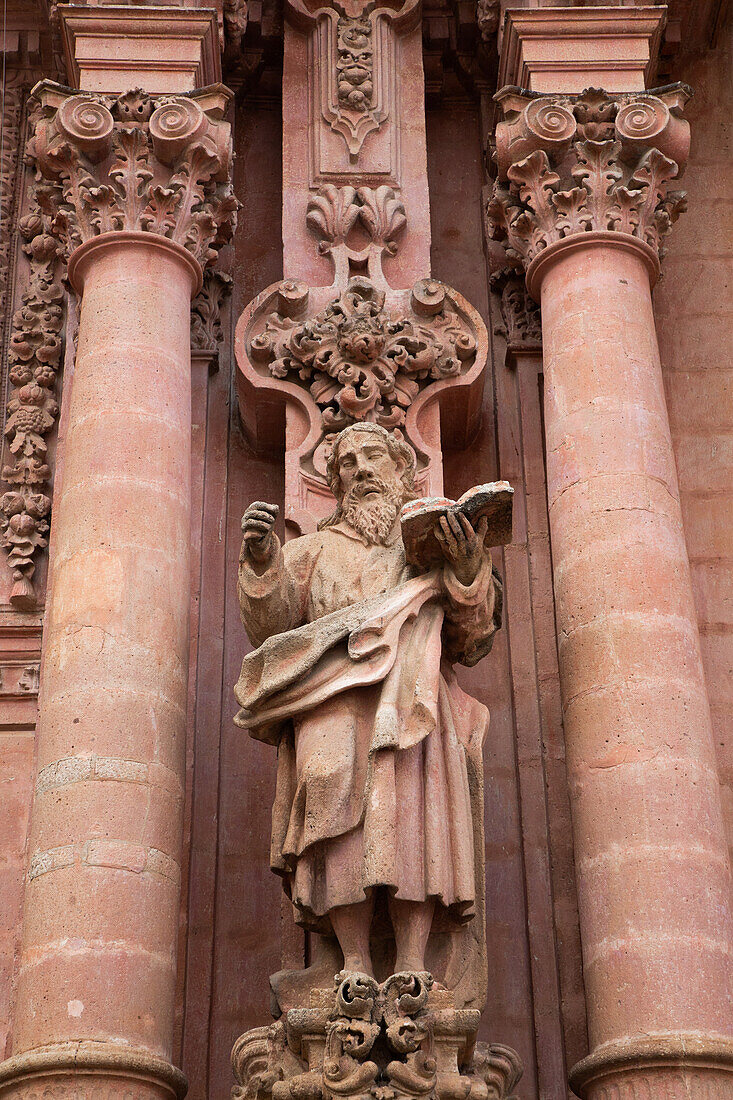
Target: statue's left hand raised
x=257, y=524
x=462, y=546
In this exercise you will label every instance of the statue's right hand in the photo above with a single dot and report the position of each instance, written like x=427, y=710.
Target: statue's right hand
x=257, y=524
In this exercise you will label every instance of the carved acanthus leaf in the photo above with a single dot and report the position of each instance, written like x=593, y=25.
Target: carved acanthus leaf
x=206, y=331
x=615, y=177
x=135, y=162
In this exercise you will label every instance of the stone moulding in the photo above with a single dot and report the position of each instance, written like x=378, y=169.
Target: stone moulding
x=635, y=1068
x=402, y=1039
x=594, y=162
x=77, y=1069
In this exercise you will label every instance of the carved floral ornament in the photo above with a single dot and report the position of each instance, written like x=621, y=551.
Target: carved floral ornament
x=360, y=361
x=359, y=350
x=572, y=164
x=34, y=357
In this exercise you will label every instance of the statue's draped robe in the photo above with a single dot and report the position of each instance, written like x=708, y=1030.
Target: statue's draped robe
x=378, y=747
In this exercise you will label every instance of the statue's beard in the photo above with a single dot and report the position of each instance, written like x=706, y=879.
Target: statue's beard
x=373, y=517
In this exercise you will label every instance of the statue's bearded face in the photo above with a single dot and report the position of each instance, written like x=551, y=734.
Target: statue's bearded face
x=372, y=491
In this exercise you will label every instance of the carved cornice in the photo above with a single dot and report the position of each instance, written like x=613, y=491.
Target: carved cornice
x=592, y=162
x=135, y=162
x=185, y=40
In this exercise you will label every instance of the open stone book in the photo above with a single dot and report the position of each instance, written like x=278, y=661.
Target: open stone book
x=419, y=519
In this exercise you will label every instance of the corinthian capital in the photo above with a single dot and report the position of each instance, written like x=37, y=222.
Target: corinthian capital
x=570, y=164
x=157, y=164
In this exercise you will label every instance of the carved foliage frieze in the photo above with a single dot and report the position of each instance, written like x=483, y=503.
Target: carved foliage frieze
x=571, y=164
x=135, y=162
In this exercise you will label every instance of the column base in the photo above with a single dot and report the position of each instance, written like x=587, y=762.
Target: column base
x=75, y=1071
x=578, y=242
x=672, y=1067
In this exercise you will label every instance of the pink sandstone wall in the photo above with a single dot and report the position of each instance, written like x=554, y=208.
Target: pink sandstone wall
x=693, y=303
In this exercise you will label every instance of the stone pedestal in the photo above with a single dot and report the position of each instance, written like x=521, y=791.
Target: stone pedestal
x=402, y=1038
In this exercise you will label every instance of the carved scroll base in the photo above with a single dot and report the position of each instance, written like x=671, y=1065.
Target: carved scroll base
x=401, y=1039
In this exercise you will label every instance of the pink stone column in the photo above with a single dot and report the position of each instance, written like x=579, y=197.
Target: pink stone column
x=653, y=876
x=97, y=976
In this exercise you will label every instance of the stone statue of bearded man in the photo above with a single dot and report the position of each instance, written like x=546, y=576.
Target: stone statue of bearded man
x=379, y=789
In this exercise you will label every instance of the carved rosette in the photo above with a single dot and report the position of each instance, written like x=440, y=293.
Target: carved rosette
x=575, y=164
x=398, y=1040
x=103, y=163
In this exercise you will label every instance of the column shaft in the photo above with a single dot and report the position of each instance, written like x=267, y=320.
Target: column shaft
x=653, y=876
x=101, y=911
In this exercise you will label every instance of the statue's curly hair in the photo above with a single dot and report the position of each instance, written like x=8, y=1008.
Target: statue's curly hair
x=398, y=450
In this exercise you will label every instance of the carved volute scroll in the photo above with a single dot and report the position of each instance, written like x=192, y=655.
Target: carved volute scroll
x=102, y=163
x=589, y=162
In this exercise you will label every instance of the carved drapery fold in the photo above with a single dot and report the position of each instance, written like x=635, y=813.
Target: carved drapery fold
x=572, y=164
x=133, y=162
